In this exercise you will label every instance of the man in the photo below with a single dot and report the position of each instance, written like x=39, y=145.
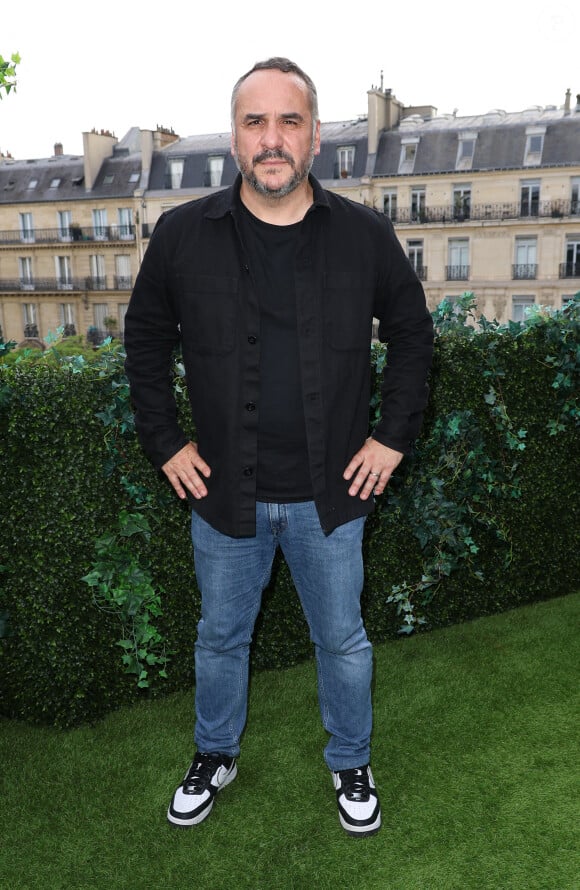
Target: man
x=270, y=287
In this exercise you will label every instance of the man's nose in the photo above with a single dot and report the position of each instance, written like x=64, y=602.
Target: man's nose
x=272, y=135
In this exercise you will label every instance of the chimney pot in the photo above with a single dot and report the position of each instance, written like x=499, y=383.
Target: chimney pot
x=58, y=149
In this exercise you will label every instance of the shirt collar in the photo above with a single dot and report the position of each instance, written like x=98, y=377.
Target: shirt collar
x=228, y=200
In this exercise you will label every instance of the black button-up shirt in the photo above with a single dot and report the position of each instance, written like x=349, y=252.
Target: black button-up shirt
x=194, y=288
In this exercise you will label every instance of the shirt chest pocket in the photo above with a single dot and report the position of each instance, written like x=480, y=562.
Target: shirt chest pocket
x=348, y=311
x=209, y=312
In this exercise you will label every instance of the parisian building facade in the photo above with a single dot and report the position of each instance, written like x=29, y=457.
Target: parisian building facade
x=487, y=203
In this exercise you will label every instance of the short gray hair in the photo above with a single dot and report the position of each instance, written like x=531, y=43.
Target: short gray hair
x=278, y=63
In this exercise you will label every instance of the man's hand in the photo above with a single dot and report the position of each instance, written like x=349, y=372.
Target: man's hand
x=371, y=468
x=184, y=469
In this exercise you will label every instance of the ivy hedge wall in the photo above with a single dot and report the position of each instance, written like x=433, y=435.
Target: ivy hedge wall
x=98, y=600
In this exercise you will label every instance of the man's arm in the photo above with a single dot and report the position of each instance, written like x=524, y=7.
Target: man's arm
x=406, y=326
x=151, y=337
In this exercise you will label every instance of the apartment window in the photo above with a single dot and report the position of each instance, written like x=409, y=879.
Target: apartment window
x=63, y=272
x=26, y=227
x=25, y=273
x=525, y=265
x=408, y=154
x=530, y=197
x=418, y=199
x=344, y=162
x=98, y=279
x=108, y=179
x=415, y=254
x=458, y=259
x=534, y=146
x=123, y=272
x=121, y=313
x=214, y=170
x=465, y=151
x=54, y=183
x=572, y=264
x=32, y=184
x=174, y=173
x=390, y=204
x=100, y=313
x=521, y=307
x=125, y=220
x=100, y=225
x=67, y=318
x=64, y=220
x=575, y=197
x=461, y=202
x=29, y=319
x=134, y=177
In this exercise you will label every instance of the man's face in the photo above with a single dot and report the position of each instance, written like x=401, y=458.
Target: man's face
x=273, y=141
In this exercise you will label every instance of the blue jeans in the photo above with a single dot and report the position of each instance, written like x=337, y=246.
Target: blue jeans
x=328, y=574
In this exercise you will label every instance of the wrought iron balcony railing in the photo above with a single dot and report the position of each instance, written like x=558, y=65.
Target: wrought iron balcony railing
x=570, y=270
x=524, y=270
x=70, y=235
x=457, y=273
x=48, y=285
x=479, y=212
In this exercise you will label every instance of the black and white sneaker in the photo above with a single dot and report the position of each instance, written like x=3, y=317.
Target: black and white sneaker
x=193, y=800
x=359, y=809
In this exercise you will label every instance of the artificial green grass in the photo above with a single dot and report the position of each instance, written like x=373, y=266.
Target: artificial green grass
x=474, y=751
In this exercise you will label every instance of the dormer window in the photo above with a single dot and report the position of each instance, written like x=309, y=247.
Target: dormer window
x=465, y=151
x=534, y=146
x=344, y=162
x=408, y=154
x=214, y=170
x=54, y=183
x=174, y=173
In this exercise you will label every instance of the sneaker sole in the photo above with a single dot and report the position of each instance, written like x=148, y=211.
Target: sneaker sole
x=200, y=817
x=362, y=830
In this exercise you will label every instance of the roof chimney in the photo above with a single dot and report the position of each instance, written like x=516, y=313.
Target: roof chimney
x=567, y=101
x=58, y=149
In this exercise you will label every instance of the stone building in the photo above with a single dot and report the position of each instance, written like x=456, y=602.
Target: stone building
x=487, y=203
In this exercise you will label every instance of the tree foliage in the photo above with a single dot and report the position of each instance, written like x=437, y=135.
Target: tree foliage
x=8, y=73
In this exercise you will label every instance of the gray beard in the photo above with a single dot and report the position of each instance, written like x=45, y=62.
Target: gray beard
x=298, y=176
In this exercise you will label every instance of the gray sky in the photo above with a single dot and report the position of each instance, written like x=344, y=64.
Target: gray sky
x=174, y=64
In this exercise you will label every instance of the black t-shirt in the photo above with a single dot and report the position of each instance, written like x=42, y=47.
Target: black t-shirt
x=283, y=471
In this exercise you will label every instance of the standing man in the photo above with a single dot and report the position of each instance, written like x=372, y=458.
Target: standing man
x=270, y=287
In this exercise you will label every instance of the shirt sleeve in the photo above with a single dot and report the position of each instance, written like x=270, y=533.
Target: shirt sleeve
x=406, y=327
x=151, y=338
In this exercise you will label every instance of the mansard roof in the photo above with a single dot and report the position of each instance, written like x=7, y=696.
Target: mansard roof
x=62, y=177
x=500, y=141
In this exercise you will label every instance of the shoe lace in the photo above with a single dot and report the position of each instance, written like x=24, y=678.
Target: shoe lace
x=354, y=784
x=200, y=773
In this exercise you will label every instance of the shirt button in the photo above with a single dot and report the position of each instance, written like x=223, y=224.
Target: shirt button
x=248, y=471
x=252, y=339
x=250, y=406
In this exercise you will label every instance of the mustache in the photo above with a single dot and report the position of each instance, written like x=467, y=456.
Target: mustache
x=273, y=154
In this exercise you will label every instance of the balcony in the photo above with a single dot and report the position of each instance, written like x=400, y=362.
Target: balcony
x=457, y=273
x=451, y=214
x=570, y=270
x=522, y=271
x=72, y=235
x=49, y=285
